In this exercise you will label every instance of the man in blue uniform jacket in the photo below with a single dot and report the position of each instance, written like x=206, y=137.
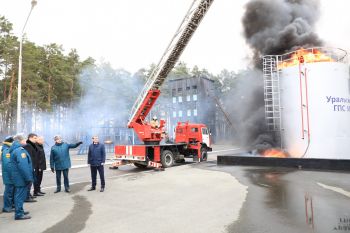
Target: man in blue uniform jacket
x=9, y=187
x=96, y=159
x=60, y=161
x=21, y=173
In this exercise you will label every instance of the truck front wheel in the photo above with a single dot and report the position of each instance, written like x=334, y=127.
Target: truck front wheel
x=167, y=158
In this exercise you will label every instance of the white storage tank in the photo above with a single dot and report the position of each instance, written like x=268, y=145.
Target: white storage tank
x=310, y=99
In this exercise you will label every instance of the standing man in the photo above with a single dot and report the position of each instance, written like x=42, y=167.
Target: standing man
x=60, y=161
x=41, y=166
x=9, y=187
x=21, y=172
x=96, y=159
x=32, y=149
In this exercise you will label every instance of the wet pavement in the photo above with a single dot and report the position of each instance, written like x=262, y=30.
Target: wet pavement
x=291, y=200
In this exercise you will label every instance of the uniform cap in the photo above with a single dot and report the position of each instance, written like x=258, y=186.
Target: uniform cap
x=9, y=139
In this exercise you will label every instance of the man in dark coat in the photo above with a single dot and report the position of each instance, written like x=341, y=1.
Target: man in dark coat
x=9, y=187
x=32, y=149
x=60, y=161
x=40, y=166
x=96, y=159
x=21, y=174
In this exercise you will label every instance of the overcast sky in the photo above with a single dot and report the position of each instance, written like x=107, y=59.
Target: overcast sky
x=132, y=34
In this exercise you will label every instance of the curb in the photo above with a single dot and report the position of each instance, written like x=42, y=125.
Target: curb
x=74, y=167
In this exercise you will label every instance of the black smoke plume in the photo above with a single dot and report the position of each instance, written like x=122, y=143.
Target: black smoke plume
x=271, y=27
x=279, y=26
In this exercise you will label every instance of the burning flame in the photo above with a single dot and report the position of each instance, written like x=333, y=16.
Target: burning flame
x=275, y=153
x=305, y=56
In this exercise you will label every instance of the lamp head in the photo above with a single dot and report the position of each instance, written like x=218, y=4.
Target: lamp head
x=34, y=2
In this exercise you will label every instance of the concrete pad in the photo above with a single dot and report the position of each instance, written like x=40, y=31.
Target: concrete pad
x=180, y=199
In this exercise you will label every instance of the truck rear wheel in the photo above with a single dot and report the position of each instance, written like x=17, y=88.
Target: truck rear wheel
x=139, y=165
x=167, y=158
x=204, y=154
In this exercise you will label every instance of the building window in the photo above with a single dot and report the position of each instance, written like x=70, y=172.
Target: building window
x=174, y=114
x=179, y=90
x=194, y=112
x=195, y=97
x=188, y=88
x=189, y=112
x=180, y=99
x=173, y=92
x=180, y=113
x=194, y=87
x=188, y=98
x=174, y=100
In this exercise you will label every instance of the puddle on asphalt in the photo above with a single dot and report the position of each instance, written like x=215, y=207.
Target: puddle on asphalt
x=270, y=179
x=77, y=218
x=287, y=200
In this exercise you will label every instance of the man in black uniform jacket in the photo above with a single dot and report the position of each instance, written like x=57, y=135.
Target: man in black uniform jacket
x=96, y=159
x=32, y=149
x=41, y=166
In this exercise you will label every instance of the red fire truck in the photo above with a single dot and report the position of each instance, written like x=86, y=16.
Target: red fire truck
x=191, y=140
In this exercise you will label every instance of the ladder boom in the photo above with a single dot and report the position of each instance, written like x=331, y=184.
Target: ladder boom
x=171, y=55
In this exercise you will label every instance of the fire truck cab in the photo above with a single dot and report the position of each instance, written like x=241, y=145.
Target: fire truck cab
x=192, y=133
x=197, y=139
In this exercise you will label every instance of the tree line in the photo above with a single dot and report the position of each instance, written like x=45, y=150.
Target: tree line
x=49, y=77
x=55, y=79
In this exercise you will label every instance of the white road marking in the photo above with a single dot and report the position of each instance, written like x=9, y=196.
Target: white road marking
x=79, y=166
x=265, y=185
x=76, y=166
x=89, y=180
x=335, y=189
x=108, y=163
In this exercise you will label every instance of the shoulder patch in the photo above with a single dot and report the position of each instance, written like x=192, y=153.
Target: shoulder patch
x=8, y=155
x=24, y=155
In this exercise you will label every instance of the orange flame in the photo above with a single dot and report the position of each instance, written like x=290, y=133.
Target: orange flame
x=275, y=153
x=305, y=56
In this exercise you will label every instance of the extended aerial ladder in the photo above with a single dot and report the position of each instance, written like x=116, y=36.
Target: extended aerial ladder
x=192, y=140
x=150, y=91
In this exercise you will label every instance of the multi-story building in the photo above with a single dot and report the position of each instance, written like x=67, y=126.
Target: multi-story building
x=189, y=101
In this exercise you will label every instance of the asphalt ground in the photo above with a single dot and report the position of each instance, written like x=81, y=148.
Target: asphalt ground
x=195, y=197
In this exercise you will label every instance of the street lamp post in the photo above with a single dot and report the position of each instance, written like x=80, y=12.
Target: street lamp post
x=19, y=91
